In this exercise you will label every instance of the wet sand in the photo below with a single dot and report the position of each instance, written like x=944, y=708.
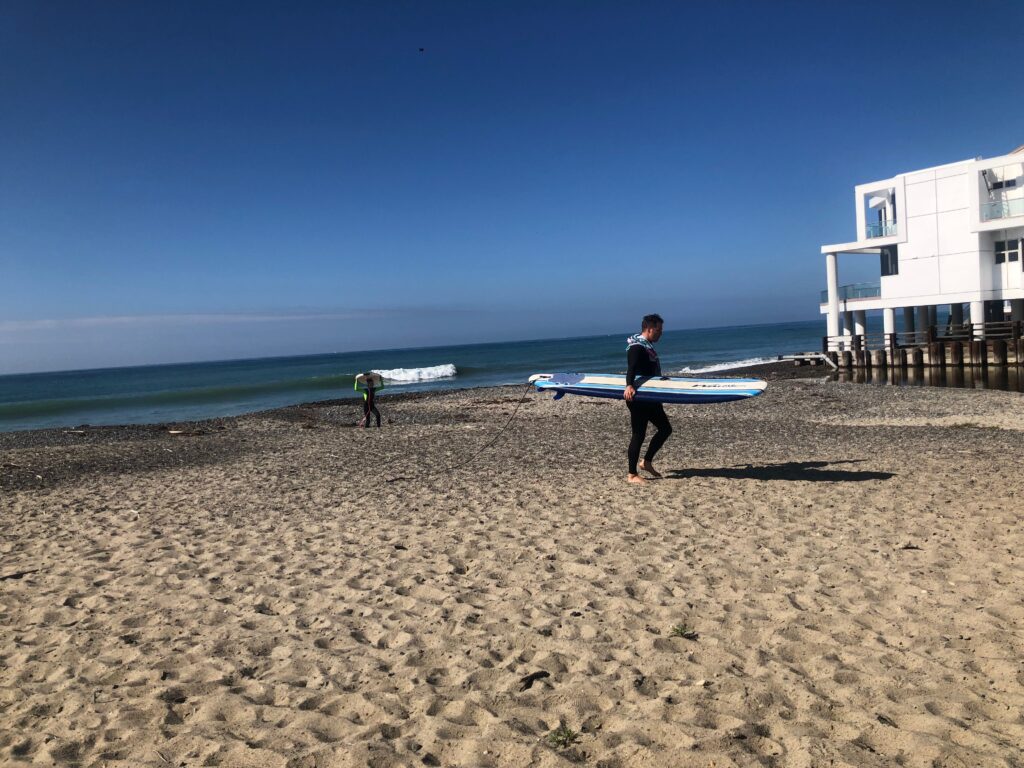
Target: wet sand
x=828, y=575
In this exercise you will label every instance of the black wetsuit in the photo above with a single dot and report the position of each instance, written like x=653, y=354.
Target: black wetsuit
x=369, y=407
x=643, y=362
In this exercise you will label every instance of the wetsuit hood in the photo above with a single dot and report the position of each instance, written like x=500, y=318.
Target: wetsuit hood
x=637, y=339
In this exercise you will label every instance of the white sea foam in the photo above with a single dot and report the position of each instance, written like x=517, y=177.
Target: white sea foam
x=411, y=375
x=726, y=366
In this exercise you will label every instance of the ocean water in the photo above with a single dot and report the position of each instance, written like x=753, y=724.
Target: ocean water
x=186, y=392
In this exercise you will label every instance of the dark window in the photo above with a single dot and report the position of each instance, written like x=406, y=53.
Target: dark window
x=890, y=261
x=1008, y=184
x=1008, y=250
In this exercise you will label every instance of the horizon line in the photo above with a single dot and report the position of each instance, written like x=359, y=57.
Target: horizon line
x=385, y=349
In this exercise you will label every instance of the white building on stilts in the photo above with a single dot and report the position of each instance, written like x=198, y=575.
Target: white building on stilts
x=949, y=235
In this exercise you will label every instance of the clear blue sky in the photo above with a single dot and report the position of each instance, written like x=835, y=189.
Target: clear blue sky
x=183, y=181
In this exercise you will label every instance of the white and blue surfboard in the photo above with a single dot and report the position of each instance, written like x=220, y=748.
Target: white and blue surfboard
x=653, y=389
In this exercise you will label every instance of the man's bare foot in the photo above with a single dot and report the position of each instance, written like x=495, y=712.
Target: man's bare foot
x=635, y=479
x=648, y=467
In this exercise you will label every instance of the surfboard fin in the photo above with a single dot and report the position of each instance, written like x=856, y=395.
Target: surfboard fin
x=558, y=395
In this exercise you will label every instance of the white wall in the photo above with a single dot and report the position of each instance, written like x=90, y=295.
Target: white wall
x=917, y=277
x=958, y=273
x=941, y=255
x=920, y=196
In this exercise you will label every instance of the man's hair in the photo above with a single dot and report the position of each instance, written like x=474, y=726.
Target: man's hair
x=651, y=321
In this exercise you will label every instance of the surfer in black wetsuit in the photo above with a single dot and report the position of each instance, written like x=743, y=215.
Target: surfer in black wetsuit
x=368, y=405
x=643, y=363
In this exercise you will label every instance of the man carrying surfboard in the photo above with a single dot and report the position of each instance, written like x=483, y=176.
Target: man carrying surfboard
x=368, y=383
x=642, y=362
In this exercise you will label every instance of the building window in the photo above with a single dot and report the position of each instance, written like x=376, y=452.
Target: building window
x=1008, y=250
x=890, y=261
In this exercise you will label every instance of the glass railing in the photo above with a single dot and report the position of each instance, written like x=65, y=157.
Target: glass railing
x=882, y=229
x=1002, y=209
x=855, y=291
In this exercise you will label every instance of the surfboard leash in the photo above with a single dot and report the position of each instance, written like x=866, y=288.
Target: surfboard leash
x=461, y=464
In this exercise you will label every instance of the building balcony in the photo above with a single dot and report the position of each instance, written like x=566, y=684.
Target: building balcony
x=855, y=291
x=1002, y=209
x=881, y=229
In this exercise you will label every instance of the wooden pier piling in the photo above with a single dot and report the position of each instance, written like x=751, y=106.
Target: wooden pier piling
x=997, y=344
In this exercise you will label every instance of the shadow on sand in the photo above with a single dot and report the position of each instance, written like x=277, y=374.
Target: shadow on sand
x=790, y=470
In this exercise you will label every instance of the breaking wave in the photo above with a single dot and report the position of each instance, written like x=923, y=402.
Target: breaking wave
x=727, y=366
x=410, y=375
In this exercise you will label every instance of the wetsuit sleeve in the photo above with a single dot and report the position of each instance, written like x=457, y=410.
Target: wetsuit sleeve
x=633, y=358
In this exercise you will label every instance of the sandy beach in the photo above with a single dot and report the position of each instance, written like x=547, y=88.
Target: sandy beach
x=828, y=575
